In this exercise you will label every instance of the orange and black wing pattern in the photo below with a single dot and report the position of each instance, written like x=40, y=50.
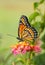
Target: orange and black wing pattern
x=25, y=30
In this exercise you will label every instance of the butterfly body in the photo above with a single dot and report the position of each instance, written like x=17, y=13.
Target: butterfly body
x=25, y=30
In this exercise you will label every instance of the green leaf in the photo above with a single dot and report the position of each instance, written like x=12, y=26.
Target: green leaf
x=33, y=16
x=41, y=1
x=36, y=4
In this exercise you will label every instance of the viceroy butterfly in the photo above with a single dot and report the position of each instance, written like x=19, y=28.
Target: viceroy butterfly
x=25, y=30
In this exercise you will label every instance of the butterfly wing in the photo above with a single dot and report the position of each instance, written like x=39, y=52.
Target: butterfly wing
x=25, y=31
x=35, y=32
x=20, y=31
x=24, y=20
x=28, y=34
x=22, y=26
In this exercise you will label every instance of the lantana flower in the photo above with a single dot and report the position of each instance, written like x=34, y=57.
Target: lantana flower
x=23, y=47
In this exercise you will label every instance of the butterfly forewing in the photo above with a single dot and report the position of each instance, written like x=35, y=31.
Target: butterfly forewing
x=25, y=31
x=24, y=20
x=20, y=30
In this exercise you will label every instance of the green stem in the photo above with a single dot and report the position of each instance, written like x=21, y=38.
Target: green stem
x=31, y=55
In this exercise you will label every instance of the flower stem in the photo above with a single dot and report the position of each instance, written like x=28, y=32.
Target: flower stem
x=31, y=55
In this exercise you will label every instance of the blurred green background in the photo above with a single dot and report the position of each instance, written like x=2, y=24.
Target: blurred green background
x=10, y=12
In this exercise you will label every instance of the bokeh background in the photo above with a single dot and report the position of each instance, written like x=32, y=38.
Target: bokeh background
x=10, y=12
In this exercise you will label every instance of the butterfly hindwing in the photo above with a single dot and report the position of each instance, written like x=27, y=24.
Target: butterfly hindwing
x=35, y=32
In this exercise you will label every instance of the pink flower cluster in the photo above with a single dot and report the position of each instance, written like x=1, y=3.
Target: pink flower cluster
x=24, y=47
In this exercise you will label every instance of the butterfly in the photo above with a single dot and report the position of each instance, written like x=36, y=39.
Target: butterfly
x=25, y=30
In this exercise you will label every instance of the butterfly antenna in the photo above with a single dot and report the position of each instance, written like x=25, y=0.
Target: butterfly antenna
x=11, y=35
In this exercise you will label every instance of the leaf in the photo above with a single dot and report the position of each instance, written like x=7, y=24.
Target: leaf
x=36, y=4
x=41, y=1
x=33, y=16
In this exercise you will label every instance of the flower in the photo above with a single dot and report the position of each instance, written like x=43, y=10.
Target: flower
x=37, y=49
x=23, y=47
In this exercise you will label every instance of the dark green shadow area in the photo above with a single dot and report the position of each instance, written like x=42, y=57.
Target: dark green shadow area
x=40, y=59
